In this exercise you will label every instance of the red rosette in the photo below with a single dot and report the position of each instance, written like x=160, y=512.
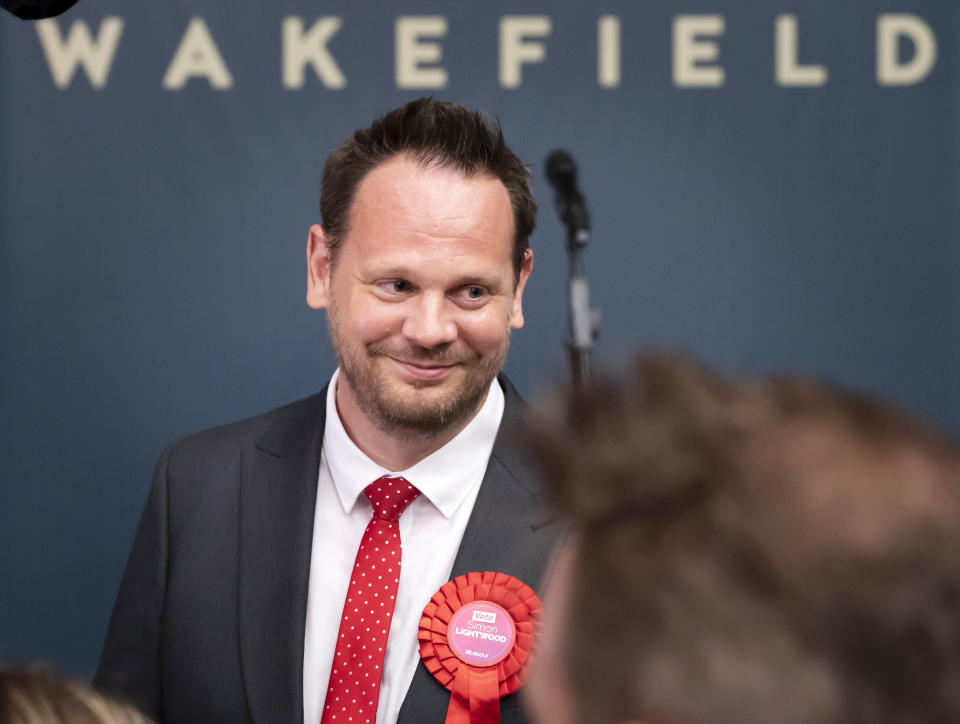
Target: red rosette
x=476, y=690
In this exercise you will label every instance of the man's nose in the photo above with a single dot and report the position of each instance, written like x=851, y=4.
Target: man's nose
x=429, y=322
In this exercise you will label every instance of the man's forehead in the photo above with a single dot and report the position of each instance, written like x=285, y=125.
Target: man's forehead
x=402, y=171
x=403, y=194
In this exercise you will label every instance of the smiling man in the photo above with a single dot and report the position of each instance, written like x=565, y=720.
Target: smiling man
x=421, y=295
x=283, y=562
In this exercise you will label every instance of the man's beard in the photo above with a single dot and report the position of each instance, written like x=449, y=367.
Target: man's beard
x=414, y=418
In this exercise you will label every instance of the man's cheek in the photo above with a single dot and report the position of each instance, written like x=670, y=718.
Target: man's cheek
x=484, y=332
x=372, y=326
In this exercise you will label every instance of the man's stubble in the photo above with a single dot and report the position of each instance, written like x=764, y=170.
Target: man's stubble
x=422, y=418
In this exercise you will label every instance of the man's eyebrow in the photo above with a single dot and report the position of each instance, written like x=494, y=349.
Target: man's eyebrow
x=469, y=280
x=386, y=269
x=405, y=271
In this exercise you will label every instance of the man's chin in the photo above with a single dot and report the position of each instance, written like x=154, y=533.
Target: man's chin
x=404, y=403
x=425, y=409
x=422, y=399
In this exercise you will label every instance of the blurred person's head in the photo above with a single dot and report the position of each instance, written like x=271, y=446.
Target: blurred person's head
x=775, y=551
x=29, y=697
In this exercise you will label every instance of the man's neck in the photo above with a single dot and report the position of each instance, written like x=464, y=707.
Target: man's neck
x=395, y=452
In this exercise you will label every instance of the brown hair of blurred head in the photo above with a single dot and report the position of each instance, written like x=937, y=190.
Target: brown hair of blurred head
x=775, y=551
x=28, y=697
x=432, y=132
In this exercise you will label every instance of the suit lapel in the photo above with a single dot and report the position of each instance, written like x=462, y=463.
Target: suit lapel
x=505, y=533
x=277, y=500
x=502, y=532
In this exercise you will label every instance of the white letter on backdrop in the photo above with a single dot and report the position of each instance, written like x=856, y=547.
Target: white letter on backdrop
x=789, y=71
x=411, y=51
x=301, y=49
x=197, y=56
x=515, y=50
x=63, y=56
x=890, y=70
x=688, y=50
x=608, y=51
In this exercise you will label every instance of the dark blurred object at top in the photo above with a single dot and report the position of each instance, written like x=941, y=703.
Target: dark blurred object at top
x=36, y=9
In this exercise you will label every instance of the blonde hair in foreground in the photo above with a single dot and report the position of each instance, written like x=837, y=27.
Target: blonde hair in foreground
x=28, y=697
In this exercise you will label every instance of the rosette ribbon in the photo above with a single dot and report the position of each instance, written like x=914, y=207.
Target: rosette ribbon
x=476, y=690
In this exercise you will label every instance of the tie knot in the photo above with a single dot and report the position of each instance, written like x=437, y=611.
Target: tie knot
x=390, y=497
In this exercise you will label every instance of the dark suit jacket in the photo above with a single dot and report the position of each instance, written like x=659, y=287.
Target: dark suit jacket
x=209, y=621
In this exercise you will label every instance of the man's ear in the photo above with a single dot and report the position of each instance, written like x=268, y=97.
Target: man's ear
x=516, y=308
x=318, y=268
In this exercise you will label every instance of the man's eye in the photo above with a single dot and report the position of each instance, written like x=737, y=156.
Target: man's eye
x=473, y=294
x=399, y=286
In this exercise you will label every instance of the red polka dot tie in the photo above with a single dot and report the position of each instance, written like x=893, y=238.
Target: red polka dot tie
x=362, y=641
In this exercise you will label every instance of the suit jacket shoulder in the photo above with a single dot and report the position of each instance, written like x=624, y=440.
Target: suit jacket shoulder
x=219, y=559
x=282, y=426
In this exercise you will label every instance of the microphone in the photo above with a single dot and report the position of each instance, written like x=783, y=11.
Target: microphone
x=571, y=204
x=562, y=172
x=584, y=320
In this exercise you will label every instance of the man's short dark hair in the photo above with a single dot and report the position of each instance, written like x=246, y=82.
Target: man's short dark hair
x=774, y=551
x=432, y=132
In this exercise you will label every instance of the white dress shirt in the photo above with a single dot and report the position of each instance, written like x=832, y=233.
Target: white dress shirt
x=430, y=533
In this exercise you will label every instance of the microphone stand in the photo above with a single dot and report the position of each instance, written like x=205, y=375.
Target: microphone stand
x=584, y=322
x=583, y=325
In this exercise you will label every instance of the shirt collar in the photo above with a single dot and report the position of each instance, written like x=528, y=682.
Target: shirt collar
x=444, y=477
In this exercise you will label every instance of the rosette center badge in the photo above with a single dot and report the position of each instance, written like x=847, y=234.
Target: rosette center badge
x=481, y=633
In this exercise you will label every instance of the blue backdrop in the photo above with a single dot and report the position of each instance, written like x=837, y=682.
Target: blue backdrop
x=773, y=186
